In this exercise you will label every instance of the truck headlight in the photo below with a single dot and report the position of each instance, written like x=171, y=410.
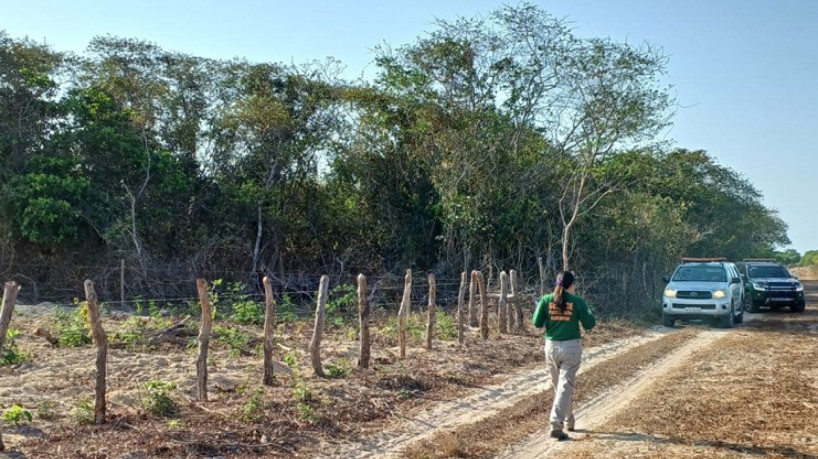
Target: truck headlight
x=799, y=287
x=670, y=293
x=719, y=294
x=759, y=286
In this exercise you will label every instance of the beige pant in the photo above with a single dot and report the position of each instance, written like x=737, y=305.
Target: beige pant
x=563, y=359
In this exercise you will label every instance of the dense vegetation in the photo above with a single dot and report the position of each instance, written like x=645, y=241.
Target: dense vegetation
x=492, y=141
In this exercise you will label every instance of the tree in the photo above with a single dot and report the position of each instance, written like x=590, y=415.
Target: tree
x=789, y=257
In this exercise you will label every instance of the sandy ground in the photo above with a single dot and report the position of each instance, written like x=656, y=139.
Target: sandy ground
x=745, y=392
x=395, y=400
x=483, y=402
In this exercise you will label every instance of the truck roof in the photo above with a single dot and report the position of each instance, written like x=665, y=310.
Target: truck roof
x=702, y=260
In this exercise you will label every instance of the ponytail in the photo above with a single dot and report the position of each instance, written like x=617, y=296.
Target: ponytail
x=564, y=281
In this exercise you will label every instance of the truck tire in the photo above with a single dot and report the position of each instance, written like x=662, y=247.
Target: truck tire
x=749, y=305
x=727, y=321
x=668, y=321
x=798, y=307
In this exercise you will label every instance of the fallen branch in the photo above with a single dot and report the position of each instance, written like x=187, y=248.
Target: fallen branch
x=48, y=336
x=174, y=333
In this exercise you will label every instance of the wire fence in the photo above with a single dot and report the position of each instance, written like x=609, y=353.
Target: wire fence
x=124, y=287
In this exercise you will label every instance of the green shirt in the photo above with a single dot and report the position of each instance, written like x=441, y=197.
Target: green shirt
x=563, y=326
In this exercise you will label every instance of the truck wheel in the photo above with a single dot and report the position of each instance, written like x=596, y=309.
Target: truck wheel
x=749, y=306
x=668, y=321
x=798, y=307
x=728, y=321
x=740, y=317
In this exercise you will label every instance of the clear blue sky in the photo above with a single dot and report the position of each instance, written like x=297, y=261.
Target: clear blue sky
x=744, y=71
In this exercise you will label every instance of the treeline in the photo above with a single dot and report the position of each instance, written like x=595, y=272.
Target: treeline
x=494, y=141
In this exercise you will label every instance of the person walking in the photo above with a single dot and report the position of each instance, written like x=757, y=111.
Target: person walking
x=561, y=313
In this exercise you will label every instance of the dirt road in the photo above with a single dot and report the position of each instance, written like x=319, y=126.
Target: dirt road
x=691, y=391
x=748, y=391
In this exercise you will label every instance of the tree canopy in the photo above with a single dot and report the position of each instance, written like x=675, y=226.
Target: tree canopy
x=493, y=141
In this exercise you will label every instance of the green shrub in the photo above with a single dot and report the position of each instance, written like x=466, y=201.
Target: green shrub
x=74, y=328
x=17, y=415
x=12, y=354
x=253, y=410
x=291, y=360
x=302, y=393
x=340, y=370
x=84, y=412
x=232, y=338
x=344, y=300
x=445, y=326
x=286, y=310
x=415, y=327
x=246, y=311
x=47, y=409
x=158, y=399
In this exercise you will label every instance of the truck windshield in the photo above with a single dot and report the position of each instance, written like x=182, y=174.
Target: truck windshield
x=758, y=272
x=700, y=274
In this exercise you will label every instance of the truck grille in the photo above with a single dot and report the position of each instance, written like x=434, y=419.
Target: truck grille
x=781, y=292
x=781, y=287
x=694, y=295
x=701, y=306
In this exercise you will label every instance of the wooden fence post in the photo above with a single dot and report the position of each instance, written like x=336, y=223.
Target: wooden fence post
x=318, y=331
x=509, y=305
x=502, y=303
x=484, y=310
x=472, y=301
x=204, y=339
x=461, y=297
x=430, y=316
x=405, y=304
x=363, y=315
x=518, y=310
x=102, y=352
x=10, y=291
x=269, y=331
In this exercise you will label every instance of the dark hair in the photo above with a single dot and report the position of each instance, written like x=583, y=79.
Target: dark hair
x=565, y=280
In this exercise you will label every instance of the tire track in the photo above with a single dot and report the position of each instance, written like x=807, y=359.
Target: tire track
x=597, y=411
x=485, y=402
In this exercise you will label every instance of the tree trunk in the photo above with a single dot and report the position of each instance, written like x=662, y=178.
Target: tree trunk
x=10, y=291
x=461, y=297
x=363, y=314
x=318, y=331
x=430, y=316
x=204, y=340
x=102, y=353
x=122, y=282
x=259, y=233
x=566, y=234
x=269, y=331
x=542, y=277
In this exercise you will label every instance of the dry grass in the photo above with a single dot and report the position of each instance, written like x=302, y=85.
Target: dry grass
x=243, y=418
x=754, y=395
x=808, y=273
x=488, y=437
